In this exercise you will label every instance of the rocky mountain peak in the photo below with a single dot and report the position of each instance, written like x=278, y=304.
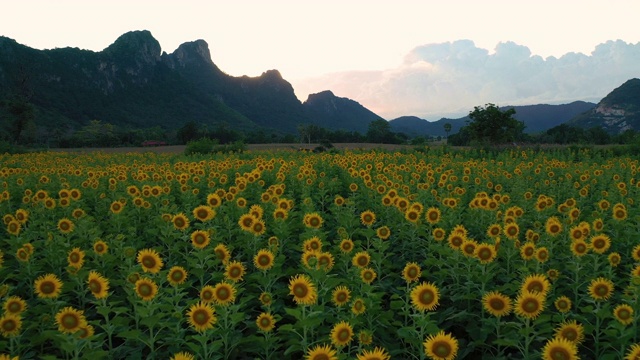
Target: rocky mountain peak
x=140, y=45
x=193, y=52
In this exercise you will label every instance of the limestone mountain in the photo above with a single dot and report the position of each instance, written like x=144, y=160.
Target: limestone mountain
x=617, y=112
x=537, y=118
x=338, y=113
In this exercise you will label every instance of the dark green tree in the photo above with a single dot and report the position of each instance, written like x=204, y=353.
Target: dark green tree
x=188, y=132
x=379, y=131
x=447, y=129
x=491, y=126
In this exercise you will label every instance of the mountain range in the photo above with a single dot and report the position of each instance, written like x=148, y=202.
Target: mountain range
x=133, y=84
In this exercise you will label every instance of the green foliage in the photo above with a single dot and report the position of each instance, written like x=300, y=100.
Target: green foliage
x=491, y=126
x=200, y=146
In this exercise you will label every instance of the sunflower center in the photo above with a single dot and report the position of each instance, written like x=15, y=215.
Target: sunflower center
x=412, y=272
x=484, y=254
x=177, y=275
x=222, y=294
x=200, y=317
x=145, y=289
x=47, y=287
x=74, y=257
x=235, y=272
x=9, y=325
x=341, y=297
x=300, y=290
x=426, y=296
x=560, y=354
x=624, y=314
x=202, y=214
x=530, y=306
x=535, y=286
x=496, y=304
x=442, y=349
x=602, y=290
x=70, y=321
x=265, y=322
x=14, y=307
x=149, y=262
x=344, y=335
x=570, y=334
x=95, y=286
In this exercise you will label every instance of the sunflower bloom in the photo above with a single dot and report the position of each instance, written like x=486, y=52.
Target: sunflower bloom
x=65, y=226
x=70, y=320
x=536, y=283
x=182, y=356
x=303, y=290
x=624, y=314
x=203, y=213
x=441, y=346
x=562, y=304
x=180, y=222
x=200, y=239
x=496, y=304
x=146, y=288
x=321, y=352
x=177, y=275
x=224, y=294
x=361, y=259
x=377, y=353
x=341, y=334
x=265, y=322
x=201, y=317
x=48, y=286
x=14, y=305
x=76, y=258
x=571, y=331
x=601, y=288
x=411, y=272
x=150, y=261
x=367, y=218
x=340, y=295
x=529, y=305
x=559, y=348
x=10, y=325
x=222, y=253
x=425, y=297
x=633, y=353
x=234, y=271
x=100, y=247
x=98, y=285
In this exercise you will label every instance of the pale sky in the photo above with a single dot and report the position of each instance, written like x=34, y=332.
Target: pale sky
x=370, y=51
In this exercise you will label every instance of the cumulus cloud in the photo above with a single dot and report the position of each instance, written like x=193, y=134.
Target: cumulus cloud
x=449, y=79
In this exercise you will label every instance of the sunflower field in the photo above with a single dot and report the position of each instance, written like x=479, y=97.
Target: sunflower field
x=431, y=254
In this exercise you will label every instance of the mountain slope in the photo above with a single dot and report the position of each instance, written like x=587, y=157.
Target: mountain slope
x=537, y=118
x=329, y=111
x=617, y=112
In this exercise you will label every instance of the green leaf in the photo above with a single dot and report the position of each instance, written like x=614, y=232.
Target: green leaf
x=130, y=334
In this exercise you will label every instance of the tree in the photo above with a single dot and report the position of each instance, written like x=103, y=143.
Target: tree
x=490, y=125
x=447, y=129
x=188, y=132
x=379, y=132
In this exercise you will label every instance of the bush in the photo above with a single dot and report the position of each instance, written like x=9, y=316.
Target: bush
x=200, y=146
x=7, y=148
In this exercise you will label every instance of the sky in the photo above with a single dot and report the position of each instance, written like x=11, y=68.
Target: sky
x=399, y=57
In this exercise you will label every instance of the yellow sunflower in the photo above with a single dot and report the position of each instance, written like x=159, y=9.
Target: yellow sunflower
x=441, y=346
x=559, y=348
x=601, y=288
x=150, y=261
x=65, y=226
x=433, y=215
x=614, y=259
x=553, y=226
x=10, y=325
x=486, y=253
x=367, y=275
x=494, y=230
x=222, y=253
x=358, y=306
x=527, y=251
x=365, y=337
x=48, y=286
x=571, y=331
x=579, y=248
x=411, y=272
x=207, y=294
x=182, y=356
x=425, y=297
x=536, y=283
x=265, y=298
x=542, y=254
x=100, y=247
x=85, y=331
x=346, y=245
x=496, y=304
x=70, y=320
x=200, y=239
x=456, y=240
x=234, y=271
x=325, y=261
x=263, y=260
x=367, y=218
x=361, y=259
x=116, y=207
x=438, y=234
x=177, y=275
x=203, y=213
x=180, y=221
x=98, y=285
x=321, y=352
x=529, y=305
x=377, y=353
x=600, y=243
x=303, y=290
x=146, y=289
x=635, y=253
x=624, y=314
x=214, y=200
x=246, y=222
x=633, y=353
x=224, y=294
x=562, y=304
x=14, y=305
x=14, y=227
x=511, y=230
x=340, y=295
x=258, y=227
x=76, y=258
x=341, y=334
x=313, y=220
x=201, y=316
x=265, y=322
x=383, y=232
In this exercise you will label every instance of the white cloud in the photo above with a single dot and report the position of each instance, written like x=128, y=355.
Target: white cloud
x=449, y=79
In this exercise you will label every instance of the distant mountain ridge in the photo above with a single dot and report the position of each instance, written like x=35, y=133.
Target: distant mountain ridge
x=133, y=83
x=617, y=112
x=537, y=118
